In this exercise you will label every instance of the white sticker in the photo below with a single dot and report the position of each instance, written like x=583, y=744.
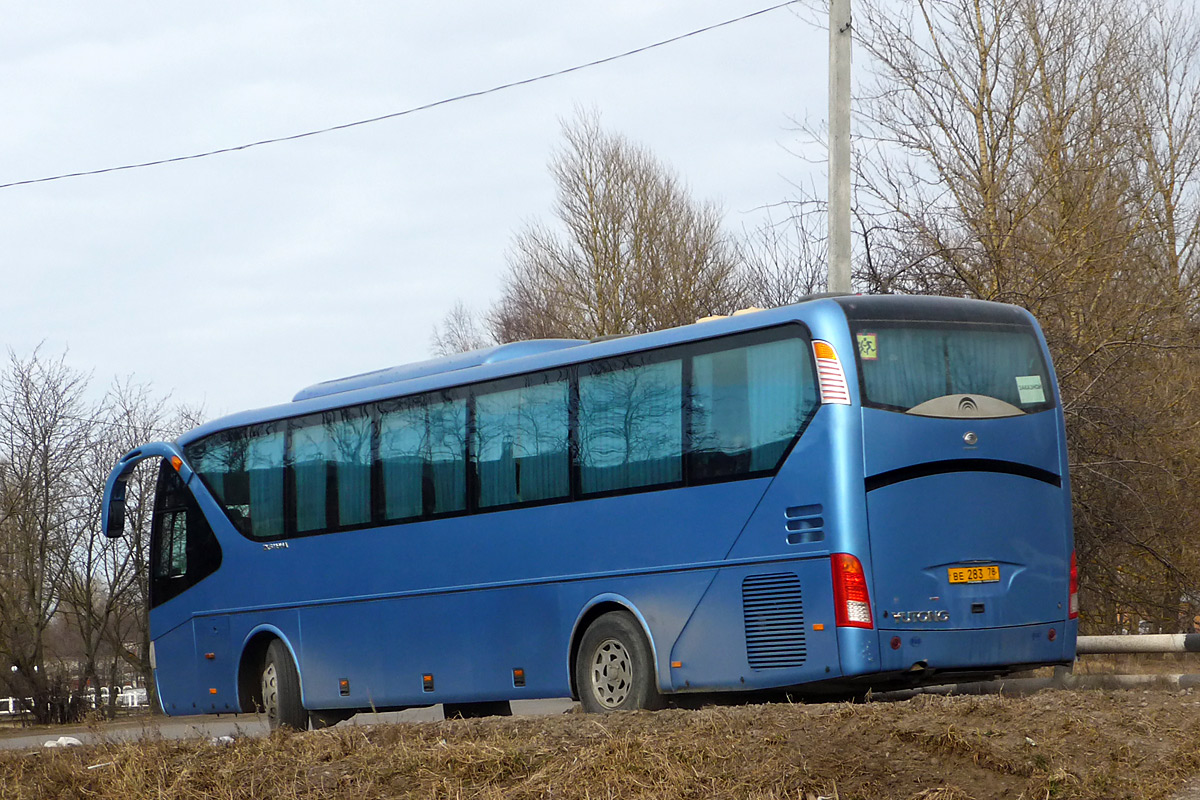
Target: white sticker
x=1030, y=389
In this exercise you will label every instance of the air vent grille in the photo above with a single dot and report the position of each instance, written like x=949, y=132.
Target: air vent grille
x=804, y=524
x=774, y=619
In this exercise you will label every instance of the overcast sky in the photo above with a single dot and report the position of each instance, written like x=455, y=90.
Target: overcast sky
x=236, y=280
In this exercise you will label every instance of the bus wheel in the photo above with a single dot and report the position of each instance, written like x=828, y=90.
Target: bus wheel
x=614, y=670
x=281, y=689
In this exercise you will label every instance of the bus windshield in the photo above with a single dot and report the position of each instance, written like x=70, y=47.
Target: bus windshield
x=904, y=365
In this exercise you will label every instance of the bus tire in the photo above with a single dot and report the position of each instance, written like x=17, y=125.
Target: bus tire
x=492, y=708
x=614, y=668
x=281, y=689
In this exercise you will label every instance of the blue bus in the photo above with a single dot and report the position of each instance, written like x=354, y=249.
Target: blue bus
x=849, y=493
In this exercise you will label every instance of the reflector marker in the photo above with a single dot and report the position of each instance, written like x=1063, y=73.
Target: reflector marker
x=830, y=376
x=1073, y=590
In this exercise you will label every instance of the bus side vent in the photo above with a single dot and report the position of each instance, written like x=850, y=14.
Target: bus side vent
x=804, y=524
x=774, y=617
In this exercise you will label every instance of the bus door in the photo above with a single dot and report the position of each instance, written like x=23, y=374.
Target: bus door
x=182, y=552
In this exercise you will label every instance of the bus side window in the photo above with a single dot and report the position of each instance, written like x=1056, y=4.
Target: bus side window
x=183, y=549
x=630, y=425
x=520, y=450
x=748, y=405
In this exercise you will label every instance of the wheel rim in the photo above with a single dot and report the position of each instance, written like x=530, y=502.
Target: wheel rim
x=612, y=673
x=270, y=693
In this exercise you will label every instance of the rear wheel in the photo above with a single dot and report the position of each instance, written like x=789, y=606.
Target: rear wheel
x=496, y=708
x=281, y=689
x=614, y=669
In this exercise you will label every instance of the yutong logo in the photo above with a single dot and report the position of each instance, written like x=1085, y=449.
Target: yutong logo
x=921, y=616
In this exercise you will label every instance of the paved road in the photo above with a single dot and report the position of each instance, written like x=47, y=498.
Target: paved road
x=241, y=725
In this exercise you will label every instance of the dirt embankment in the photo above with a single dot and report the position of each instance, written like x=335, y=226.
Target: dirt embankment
x=1055, y=744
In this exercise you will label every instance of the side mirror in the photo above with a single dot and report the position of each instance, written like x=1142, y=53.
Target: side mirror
x=115, y=518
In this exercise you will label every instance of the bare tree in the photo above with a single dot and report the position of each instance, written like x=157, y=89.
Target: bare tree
x=1045, y=153
x=106, y=591
x=461, y=331
x=631, y=252
x=785, y=261
x=46, y=435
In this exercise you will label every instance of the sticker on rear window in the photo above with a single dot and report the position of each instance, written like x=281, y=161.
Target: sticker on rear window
x=1029, y=387
x=868, y=347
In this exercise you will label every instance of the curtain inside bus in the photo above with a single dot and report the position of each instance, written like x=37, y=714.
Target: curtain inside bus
x=904, y=365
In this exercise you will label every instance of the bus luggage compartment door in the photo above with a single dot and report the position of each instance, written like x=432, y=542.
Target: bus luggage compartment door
x=968, y=550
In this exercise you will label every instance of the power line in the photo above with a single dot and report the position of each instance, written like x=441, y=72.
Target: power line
x=406, y=112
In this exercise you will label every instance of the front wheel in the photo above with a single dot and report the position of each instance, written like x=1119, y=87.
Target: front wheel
x=281, y=689
x=614, y=669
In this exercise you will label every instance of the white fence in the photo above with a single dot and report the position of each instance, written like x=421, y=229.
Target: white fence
x=127, y=697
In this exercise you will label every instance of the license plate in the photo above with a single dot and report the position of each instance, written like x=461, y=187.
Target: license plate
x=988, y=573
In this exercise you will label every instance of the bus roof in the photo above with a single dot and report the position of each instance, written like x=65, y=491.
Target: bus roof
x=436, y=366
x=529, y=356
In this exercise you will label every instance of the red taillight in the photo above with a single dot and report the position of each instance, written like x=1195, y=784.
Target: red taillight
x=1073, y=591
x=852, y=601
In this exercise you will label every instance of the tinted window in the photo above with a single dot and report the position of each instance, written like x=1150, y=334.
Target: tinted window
x=520, y=444
x=403, y=445
x=183, y=548
x=244, y=470
x=904, y=364
x=636, y=427
x=630, y=425
x=423, y=457
x=330, y=460
x=446, y=488
x=748, y=404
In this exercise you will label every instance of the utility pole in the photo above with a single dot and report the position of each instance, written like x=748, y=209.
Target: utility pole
x=839, y=146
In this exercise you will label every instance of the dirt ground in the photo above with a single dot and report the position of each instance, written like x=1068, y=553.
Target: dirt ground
x=1053, y=744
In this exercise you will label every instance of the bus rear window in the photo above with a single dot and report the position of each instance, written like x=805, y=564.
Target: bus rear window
x=940, y=368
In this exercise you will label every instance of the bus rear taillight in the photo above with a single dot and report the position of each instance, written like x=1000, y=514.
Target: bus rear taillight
x=1073, y=591
x=852, y=601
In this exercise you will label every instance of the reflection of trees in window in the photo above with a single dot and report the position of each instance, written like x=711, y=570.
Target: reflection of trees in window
x=348, y=432
x=265, y=466
x=244, y=469
x=630, y=426
x=423, y=457
x=446, y=463
x=521, y=444
x=220, y=461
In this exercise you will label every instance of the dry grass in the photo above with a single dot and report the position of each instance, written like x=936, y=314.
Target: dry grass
x=1052, y=745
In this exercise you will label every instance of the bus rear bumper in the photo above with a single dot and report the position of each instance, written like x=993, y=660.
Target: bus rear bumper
x=927, y=653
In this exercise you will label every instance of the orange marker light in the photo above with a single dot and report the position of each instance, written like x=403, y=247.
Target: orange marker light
x=176, y=462
x=212, y=691
x=819, y=626
x=676, y=664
